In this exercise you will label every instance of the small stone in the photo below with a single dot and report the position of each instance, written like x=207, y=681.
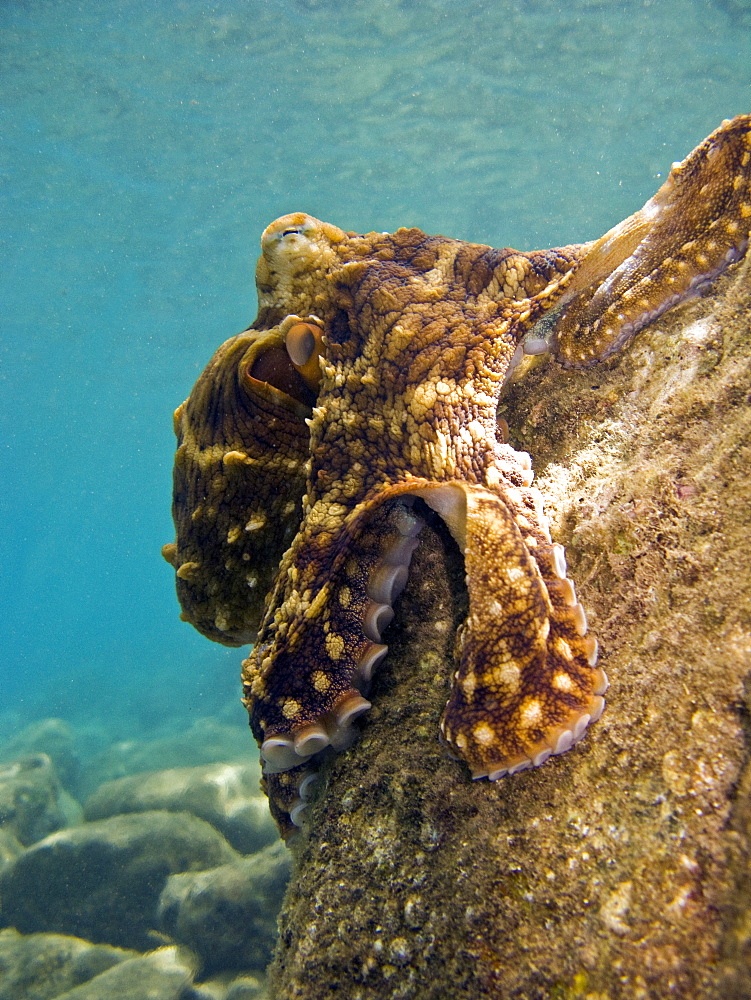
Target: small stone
x=616, y=907
x=399, y=951
x=247, y=988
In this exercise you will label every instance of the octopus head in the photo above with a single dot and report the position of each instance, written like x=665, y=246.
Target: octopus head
x=297, y=253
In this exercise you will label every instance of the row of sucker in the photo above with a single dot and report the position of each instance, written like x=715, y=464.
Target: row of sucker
x=281, y=753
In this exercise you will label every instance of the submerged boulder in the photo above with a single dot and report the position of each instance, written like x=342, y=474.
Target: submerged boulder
x=31, y=800
x=10, y=847
x=226, y=795
x=53, y=737
x=227, y=915
x=161, y=975
x=205, y=742
x=42, y=966
x=102, y=881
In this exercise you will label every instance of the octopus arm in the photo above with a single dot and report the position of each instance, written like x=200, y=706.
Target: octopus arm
x=321, y=636
x=527, y=684
x=694, y=227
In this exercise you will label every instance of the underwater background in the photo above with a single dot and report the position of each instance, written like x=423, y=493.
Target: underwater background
x=147, y=145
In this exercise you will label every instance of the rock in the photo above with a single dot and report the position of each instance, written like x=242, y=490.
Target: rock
x=10, y=847
x=53, y=737
x=71, y=808
x=102, y=881
x=620, y=869
x=247, y=988
x=229, y=986
x=42, y=966
x=227, y=916
x=162, y=975
x=225, y=795
x=30, y=799
x=205, y=742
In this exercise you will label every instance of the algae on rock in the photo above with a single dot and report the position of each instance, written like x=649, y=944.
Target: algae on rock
x=617, y=870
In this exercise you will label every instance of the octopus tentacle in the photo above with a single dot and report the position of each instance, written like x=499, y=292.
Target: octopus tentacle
x=289, y=793
x=296, y=707
x=527, y=684
x=692, y=230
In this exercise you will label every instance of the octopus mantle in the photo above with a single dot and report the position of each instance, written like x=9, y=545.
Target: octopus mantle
x=366, y=394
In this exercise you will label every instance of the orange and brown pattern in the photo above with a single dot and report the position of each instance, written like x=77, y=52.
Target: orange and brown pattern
x=365, y=393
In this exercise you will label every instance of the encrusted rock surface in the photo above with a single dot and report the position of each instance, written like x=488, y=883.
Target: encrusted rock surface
x=618, y=871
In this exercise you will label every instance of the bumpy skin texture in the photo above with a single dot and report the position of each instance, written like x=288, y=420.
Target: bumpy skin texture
x=367, y=388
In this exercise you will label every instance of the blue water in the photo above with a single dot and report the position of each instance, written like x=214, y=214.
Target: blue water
x=145, y=145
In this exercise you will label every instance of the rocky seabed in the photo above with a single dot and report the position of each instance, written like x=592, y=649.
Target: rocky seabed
x=160, y=883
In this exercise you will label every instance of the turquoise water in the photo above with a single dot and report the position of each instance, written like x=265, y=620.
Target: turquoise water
x=145, y=147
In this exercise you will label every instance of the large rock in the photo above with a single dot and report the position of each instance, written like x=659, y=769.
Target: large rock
x=10, y=848
x=161, y=975
x=225, y=795
x=102, y=881
x=31, y=800
x=42, y=966
x=53, y=737
x=205, y=742
x=227, y=916
x=619, y=870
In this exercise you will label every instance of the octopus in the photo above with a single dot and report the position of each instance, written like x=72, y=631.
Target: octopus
x=364, y=399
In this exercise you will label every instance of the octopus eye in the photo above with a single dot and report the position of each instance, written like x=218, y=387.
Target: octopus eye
x=274, y=368
x=304, y=343
x=301, y=342
x=291, y=232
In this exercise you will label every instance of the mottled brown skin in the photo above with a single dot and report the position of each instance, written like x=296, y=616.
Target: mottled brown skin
x=238, y=481
x=402, y=342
